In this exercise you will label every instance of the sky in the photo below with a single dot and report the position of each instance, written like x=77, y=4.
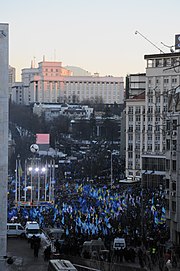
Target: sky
x=96, y=35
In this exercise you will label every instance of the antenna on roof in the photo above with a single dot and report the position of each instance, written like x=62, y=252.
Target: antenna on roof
x=137, y=32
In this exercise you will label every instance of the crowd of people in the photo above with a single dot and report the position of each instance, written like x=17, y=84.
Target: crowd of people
x=87, y=210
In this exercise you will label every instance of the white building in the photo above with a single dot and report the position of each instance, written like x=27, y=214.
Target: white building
x=159, y=163
x=51, y=83
x=157, y=141
x=51, y=111
x=12, y=79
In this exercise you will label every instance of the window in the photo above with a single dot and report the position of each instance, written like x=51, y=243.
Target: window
x=174, y=80
x=174, y=165
x=130, y=137
x=130, y=111
x=130, y=128
x=130, y=147
x=174, y=186
x=173, y=206
x=166, y=80
x=138, y=118
x=12, y=227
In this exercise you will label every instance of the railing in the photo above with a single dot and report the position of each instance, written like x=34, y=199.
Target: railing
x=85, y=268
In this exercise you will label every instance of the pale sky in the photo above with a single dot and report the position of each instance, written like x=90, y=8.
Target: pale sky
x=96, y=35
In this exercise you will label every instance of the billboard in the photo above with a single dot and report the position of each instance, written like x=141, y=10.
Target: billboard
x=177, y=42
x=42, y=140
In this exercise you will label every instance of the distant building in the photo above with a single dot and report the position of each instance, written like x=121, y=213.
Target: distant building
x=52, y=111
x=52, y=83
x=12, y=79
x=18, y=94
x=76, y=71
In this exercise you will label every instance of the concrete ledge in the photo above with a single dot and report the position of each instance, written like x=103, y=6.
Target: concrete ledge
x=104, y=266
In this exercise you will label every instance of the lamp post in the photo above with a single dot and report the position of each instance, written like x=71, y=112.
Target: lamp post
x=111, y=167
x=37, y=171
x=111, y=170
x=25, y=180
x=31, y=180
x=45, y=184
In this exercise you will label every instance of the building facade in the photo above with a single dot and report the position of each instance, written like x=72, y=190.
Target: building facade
x=12, y=79
x=4, y=93
x=135, y=131
x=154, y=151
x=51, y=83
x=159, y=163
x=135, y=84
x=52, y=111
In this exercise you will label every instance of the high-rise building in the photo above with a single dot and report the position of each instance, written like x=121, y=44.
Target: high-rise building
x=160, y=161
x=162, y=77
x=159, y=132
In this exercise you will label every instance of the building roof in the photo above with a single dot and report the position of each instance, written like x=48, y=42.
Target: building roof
x=175, y=54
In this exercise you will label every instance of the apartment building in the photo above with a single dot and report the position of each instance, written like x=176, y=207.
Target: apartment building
x=52, y=83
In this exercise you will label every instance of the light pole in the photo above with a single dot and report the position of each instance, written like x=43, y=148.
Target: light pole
x=111, y=170
x=37, y=171
x=111, y=167
x=31, y=198
x=25, y=180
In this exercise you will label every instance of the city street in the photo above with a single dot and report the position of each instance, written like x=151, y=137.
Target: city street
x=23, y=256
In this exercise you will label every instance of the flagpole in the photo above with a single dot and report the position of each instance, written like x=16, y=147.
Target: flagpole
x=53, y=176
x=16, y=184
x=19, y=181
x=38, y=183
x=31, y=184
x=50, y=181
x=45, y=182
x=25, y=179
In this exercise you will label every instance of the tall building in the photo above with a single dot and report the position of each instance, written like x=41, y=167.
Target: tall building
x=51, y=83
x=4, y=65
x=160, y=160
x=135, y=131
x=159, y=131
x=161, y=78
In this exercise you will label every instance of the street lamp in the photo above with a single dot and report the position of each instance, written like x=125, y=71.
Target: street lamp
x=111, y=167
x=30, y=169
x=37, y=171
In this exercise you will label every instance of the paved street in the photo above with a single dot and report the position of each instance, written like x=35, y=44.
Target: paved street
x=23, y=256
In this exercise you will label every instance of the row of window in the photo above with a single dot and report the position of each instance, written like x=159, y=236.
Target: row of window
x=163, y=62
